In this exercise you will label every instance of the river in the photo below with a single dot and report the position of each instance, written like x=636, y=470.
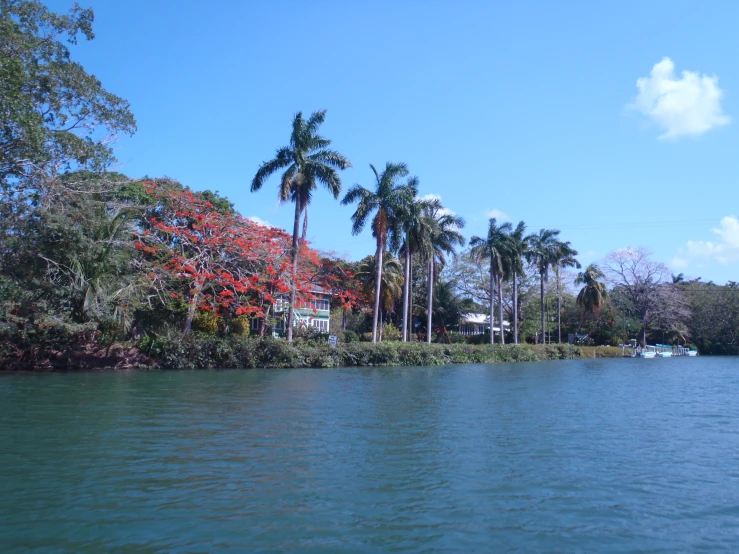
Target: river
x=586, y=455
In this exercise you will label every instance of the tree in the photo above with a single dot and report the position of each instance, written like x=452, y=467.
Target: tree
x=593, y=293
x=640, y=287
x=202, y=259
x=564, y=257
x=388, y=201
x=391, y=280
x=495, y=248
x=542, y=252
x=55, y=116
x=307, y=160
x=443, y=238
x=513, y=266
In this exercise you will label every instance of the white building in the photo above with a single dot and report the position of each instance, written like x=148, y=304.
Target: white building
x=477, y=324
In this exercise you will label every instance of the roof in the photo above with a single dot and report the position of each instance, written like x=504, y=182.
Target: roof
x=479, y=319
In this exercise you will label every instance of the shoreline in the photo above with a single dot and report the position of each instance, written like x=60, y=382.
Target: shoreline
x=209, y=352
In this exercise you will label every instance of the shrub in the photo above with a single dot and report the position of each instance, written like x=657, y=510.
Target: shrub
x=205, y=322
x=350, y=336
x=240, y=326
x=390, y=333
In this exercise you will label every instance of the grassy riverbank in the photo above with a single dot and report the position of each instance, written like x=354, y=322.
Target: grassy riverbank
x=202, y=351
x=209, y=352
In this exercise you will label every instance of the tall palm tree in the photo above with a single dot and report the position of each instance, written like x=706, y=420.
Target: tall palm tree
x=542, y=251
x=513, y=266
x=388, y=201
x=442, y=239
x=391, y=279
x=564, y=257
x=417, y=227
x=494, y=248
x=307, y=160
x=593, y=294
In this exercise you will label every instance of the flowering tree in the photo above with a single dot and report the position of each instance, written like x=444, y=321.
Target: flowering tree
x=215, y=261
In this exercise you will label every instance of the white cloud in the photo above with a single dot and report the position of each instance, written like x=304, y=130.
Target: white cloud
x=689, y=105
x=259, y=221
x=724, y=251
x=500, y=215
x=443, y=211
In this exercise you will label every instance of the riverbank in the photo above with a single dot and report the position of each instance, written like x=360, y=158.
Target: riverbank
x=200, y=351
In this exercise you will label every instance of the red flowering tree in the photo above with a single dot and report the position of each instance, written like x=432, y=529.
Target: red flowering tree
x=222, y=263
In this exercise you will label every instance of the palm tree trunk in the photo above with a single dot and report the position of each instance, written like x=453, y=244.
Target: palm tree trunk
x=431, y=300
x=406, y=287
x=378, y=284
x=293, y=292
x=410, y=296
x=515, y=308
x=492, y=302
x=559, y=311
x=543, y=322
x=500, y=310
x=305, y=226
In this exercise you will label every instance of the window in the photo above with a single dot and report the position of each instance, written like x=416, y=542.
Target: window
x=320, y=324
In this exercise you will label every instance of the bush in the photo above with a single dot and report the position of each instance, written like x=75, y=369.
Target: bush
x=350, y=336
x=390, y=333
x=240, y=326
x=205, y=322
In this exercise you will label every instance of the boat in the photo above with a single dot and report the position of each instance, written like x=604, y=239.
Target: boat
x=691, y=353
x=648, y=354
x=665, y=354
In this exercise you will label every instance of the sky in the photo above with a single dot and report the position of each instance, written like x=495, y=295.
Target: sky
x=613, y=121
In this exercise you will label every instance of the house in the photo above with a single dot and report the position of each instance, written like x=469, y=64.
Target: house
x=310, y=313
x=478, y=324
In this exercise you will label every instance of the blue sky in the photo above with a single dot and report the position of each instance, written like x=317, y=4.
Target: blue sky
x=527, y=108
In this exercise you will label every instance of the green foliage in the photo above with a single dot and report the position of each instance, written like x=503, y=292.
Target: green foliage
x=53, y=111
x=240, y=326
x=390, y=333
x=205, y=322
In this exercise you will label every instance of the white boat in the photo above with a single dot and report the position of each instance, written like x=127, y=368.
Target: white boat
x=691, y=353
x=647, y=354
x=665, y=354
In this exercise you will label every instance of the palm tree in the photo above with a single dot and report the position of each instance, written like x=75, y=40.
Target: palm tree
x=593, y=294
x=542, y=252
x=416, y=228
x=513, y=266
x=495, y=248
x=391, y=280
x=564, y=257
x=389, y=201
x=442, y=239
x=307, y=161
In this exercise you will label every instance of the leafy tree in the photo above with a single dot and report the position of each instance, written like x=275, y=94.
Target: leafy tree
x=391, y=286
x=307, y=160
x=513, y=267
x=55, y=116
x=495, y=248
x=564, y=257
x=593, y=293
x=443, y=238
x=388, y=202
x=542, y=252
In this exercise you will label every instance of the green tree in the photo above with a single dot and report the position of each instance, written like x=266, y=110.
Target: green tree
x=593, y=293
x=542, y=252
x=55, y=116
x=495, y=248
x=443, y=238
x=388, y=202
x=391, y=284
x=416, y=225
x=513, y=267
x=564, y=257
x=307, y=161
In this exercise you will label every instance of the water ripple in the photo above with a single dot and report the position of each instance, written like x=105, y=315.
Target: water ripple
x=575, y=456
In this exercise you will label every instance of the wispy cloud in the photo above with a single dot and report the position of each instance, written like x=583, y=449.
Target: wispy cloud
x=724, y=250
x=500, y=215
x=688, y=105
x=438, y=197
x=259, y=221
